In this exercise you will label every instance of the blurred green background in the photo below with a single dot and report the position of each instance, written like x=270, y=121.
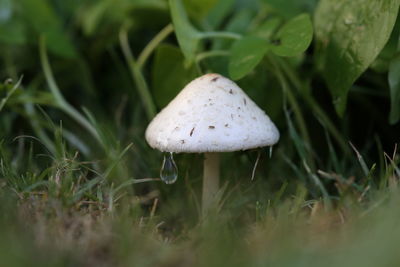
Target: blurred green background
x=81, y=80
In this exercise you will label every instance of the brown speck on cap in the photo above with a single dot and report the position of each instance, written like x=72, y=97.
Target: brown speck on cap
x=191, y=132
x=211, y=127
x=244, y=101
x=214, y=79
x=182, y=142
x=231, y=91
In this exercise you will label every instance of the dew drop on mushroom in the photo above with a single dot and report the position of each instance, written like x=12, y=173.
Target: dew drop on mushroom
x=169, y=170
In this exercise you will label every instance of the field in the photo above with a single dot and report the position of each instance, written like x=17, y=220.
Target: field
x=81, y=81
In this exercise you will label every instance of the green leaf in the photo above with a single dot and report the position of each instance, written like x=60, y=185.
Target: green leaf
x=218, y=13
x=104, y=14
x=394, y=83
x=93, y=16
x=350, y=35
x=291, y=8
x=188, y=37
x=268, y=28
x=239, y=23
x=382, y=62
x=42, y=18
x=12, y=32
x=294, y=37
x=169, y=74
x=199, y=9
x=245, y=55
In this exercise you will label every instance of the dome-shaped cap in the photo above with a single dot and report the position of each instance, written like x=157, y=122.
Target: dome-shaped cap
x=211, y=114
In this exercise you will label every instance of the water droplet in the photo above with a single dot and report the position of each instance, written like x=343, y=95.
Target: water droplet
x=270, y=151
x=169, y=170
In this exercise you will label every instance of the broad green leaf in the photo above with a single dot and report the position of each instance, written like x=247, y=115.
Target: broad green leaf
x=218, y=13
x=106, y=13
x=394, y=83
x=45, y=22
x=188, y=37
x=291, y=8
x=93, y=16
x=12, y=32
x=262, y=86
x=239, y=23
x=169, y=74
x=294, y=37
x=267, y=29
x=350, y=35
x=245, y=55
x=199, y=9
x=383, y=60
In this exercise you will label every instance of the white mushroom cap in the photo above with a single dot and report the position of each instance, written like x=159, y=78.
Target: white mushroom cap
x=211, y=114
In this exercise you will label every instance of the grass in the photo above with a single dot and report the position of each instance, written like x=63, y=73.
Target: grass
x=58, y=210
x=360, y=231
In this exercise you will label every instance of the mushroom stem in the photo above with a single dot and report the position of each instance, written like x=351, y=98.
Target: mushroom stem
x=210, y=181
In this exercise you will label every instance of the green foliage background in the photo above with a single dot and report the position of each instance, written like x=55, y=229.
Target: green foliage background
x=83, y=78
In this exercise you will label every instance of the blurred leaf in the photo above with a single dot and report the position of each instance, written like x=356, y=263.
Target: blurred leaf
x=382, y=62
x=94, y=15
x=246, y=53
x=262, y=87
x=350, y=35
x=394, y=83
x=218, y=13
x=239, y=23
x=169, y=74
x=107, y=13
x=188, y=37
x=12, y=32
x=294, y=37
x=267, y=29
x=199, y=9
x=43, y=19
x=291, y=8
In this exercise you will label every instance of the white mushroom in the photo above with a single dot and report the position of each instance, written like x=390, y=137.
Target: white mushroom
x=211, y=114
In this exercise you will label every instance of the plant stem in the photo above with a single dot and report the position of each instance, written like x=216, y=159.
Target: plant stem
x=228, y=35
x=294, y=79
x=58, y=97
x=210, y=181
x=214, y=53
x=295, y=106
x=10, y=93
x=137, y=75
x=152, y=45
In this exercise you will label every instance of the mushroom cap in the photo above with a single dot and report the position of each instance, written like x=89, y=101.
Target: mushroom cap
x=211, y=114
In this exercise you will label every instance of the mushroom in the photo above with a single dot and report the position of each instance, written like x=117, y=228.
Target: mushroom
x=211, y=115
